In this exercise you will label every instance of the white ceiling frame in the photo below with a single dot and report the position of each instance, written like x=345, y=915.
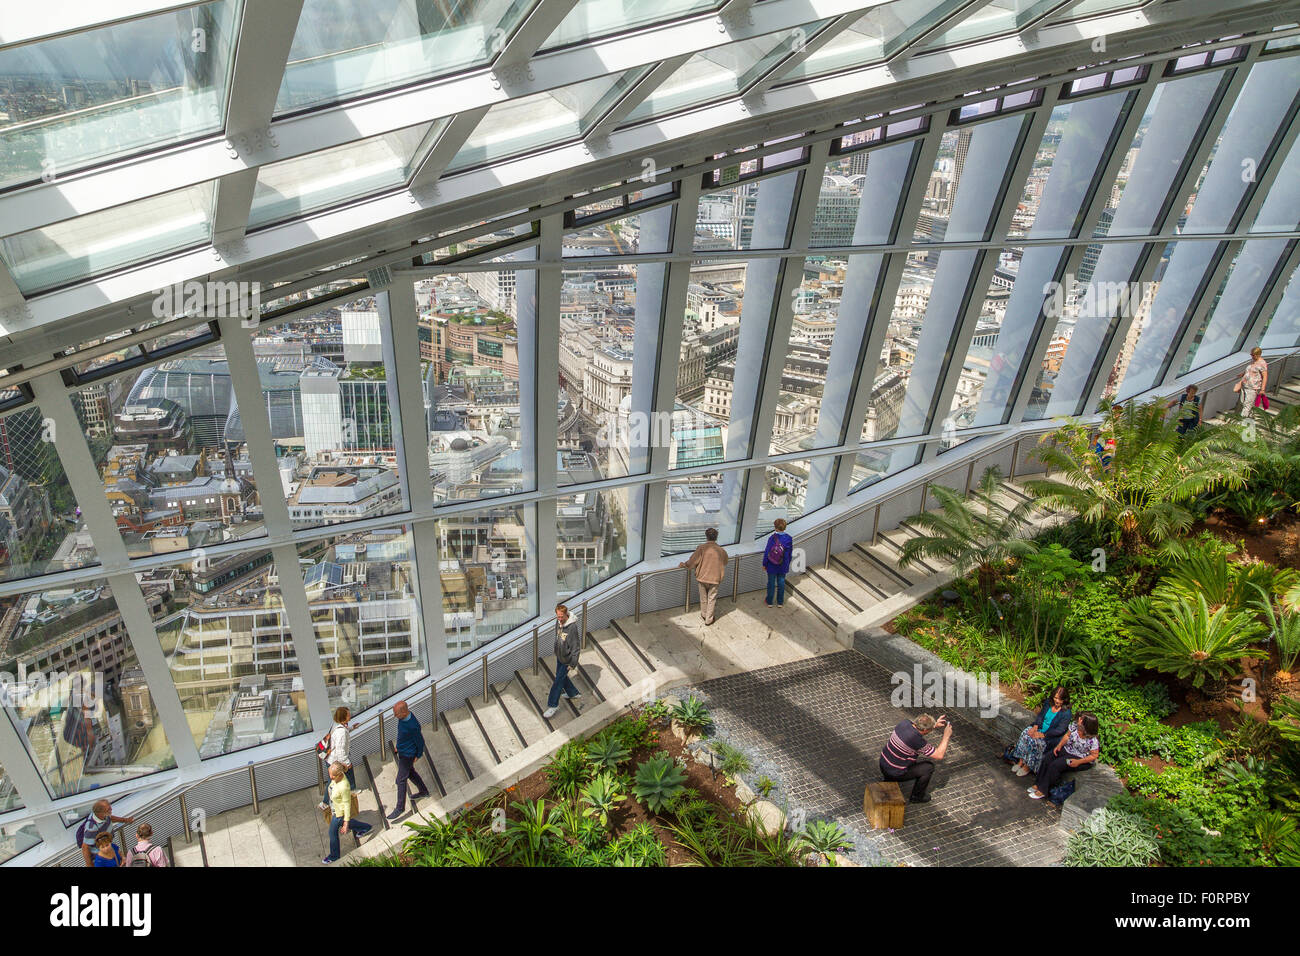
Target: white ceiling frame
x=266, y=33
x=80, y=193
x=807, y=49
x=36, y=22
x=395, y=212
x=598, y=136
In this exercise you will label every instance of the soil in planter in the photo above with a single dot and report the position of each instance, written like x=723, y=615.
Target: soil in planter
x=1263, y=544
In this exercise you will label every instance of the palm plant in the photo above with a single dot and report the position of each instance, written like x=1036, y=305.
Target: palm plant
x=971, y=532
x=1284, y=627
x=1144, y=496
x=1189, y=640
x=1232, y=584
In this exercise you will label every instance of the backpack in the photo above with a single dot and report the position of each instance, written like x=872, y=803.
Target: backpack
x=142, y=859
x=1061, y=792
x=775, y=554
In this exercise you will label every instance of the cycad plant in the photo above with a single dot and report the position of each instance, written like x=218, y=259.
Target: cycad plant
x=1187, y=639
x=971, y=532
x=1284, y=627
x=1144, y=496
x=1235, y=585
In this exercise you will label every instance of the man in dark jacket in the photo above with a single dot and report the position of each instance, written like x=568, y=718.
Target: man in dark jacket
x=568, y=645
x=409, y=747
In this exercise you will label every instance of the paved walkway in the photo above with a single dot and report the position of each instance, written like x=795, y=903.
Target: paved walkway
x=822, y=722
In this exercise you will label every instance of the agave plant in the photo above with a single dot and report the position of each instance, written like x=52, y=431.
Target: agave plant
x=658, y=781
x=608, y=752
x=602, y=797
x=971, y=532
x=826, y=837
x=692, y=714
x=1189, y=640
x=1144, y=496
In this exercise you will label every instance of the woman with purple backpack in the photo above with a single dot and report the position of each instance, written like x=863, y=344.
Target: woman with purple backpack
x=776, y=561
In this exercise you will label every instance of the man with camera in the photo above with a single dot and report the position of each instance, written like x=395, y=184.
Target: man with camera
x=902, y=757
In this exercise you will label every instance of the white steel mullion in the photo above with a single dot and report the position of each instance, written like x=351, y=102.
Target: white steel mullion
x=1253, y=334
x=543, y=359
x=11, y=297
x=898, y=59
x=1110, y=166
x=599, y=133
x=399, y=310
x=533, y=32
x=804, y=50
x=878, y=324
x=968, y=316
x=1184, y=339
x=266, y=32
x=246, y=384
x=1049, y=9
x=21, y=770
x=1181, y=191
x=448, y=144
x=297, y=612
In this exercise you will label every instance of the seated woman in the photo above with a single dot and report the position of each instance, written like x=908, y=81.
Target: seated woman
x=1077, y=750
x=1044, y=733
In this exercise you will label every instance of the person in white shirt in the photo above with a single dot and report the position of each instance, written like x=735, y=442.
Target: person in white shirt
x=336, y=747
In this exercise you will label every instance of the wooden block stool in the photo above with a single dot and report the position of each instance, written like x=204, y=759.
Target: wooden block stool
x=882, y=804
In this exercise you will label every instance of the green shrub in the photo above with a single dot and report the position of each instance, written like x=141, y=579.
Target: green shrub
x=692, y=714
x=608, y=752
x=734, y=761
x=658, y=781
x=1182, y=838
x=569, y=769
x=1112, y=838
x=602, y=797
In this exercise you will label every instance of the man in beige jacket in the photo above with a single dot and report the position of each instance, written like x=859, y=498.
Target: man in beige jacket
x=709, y=562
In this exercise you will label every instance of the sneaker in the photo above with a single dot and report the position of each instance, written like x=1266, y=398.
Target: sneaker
x=1035, y=795
x=924, y=798
x=422, y=794
x=550, y=712
x=396, y=815
x=1020, y=771
x=768, y=603
x=573, y=697
x=327, y=861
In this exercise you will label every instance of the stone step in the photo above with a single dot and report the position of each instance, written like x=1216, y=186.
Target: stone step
x=187, y=854
x=819, y=598
x=526, y=718
x=450, y=772
x=886, y=559
x=471, y=746
x=845, y=585
x=538, y=687
x=628, y=667
x=869, y=575
x=496, y=726
x=596, y=672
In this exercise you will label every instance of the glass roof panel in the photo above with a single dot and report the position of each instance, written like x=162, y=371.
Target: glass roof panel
x=348, y=48
x=69, y=101
x=542, y=119
x=877, y=34
x=307, y=183
x=988, y=20
x=722, y=72
x=100, y=242
x=596, y=18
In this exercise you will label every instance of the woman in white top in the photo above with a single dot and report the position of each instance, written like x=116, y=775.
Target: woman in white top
x=1253, y=381
x=336, y=747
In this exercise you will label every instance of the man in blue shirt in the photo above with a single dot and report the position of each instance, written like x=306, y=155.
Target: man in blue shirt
x=410, y=746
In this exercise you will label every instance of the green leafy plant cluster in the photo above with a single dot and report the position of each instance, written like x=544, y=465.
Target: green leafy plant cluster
x=1113, y=837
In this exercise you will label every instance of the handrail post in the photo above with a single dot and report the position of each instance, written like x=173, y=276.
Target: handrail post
x=382, y=749
x=185, y=816
x=875, y=525
x=687, y=581
x=830, y=533
x=433, y=705
x=970, y=475
x=252, y=783
x=636, y=601
x=735, y=579
x=536, y=656
x=1015, y=458
x=485, y=679
x=582, y=635
x=925, y=493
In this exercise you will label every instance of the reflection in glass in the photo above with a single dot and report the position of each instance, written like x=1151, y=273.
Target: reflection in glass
x=74, y=690
x=487, y=564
